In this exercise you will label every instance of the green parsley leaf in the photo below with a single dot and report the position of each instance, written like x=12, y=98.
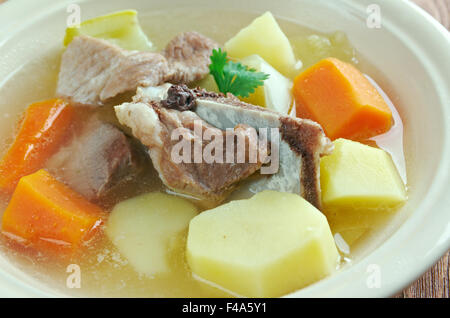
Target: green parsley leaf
x=232, y=77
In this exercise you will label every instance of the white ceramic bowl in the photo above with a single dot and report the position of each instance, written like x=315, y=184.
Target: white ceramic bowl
x=411, y=51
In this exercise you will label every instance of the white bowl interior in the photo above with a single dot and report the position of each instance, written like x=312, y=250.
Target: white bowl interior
x=411, y=64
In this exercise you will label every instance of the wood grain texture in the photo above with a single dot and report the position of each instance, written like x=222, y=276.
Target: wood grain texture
x=433, y=284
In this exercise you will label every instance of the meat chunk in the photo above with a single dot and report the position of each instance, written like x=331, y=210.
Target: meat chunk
x=98, y=158
x=188, y=56
x=301, y=142
x=301, y=145
x=94, y=70
x=154, y=126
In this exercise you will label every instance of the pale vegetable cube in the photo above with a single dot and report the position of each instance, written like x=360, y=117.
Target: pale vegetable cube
x=121, y=28
x=266, y=246
x=356, y=175
x=275, y=94
x=143, y=227
x=265, y=38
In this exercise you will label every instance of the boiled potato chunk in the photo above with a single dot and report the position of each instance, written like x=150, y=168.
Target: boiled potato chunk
x=275, y=94
x=142, y=228
x=357, y=175
x=266, y=246
x=120, y=28
x=265, y=38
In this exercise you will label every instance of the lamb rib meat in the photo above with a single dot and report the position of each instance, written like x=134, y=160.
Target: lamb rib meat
x=97, y=159
x=94, y=70
x=301, y=145
x=301, y=142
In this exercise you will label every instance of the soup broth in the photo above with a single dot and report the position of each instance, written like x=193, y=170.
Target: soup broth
x=104, y=271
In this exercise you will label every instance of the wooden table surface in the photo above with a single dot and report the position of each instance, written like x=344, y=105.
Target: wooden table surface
x=435, y=282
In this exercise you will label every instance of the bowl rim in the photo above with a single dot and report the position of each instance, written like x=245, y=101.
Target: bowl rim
x=440, y=190
x=438, y=196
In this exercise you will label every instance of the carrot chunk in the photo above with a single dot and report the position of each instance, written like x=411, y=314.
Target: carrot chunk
x=47, y=215
x=44, y=127
x=342, y=100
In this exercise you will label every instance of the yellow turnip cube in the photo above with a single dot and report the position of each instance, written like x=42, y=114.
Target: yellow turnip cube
x=265, y=38
x=266, y=246
x=357, y=175
x=143, y=227
x=275, y=94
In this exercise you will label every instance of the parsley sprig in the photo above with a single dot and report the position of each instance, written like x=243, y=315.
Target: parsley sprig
x=232, y=77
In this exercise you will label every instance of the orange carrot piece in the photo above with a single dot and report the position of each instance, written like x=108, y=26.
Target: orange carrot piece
x=49, y=216
x=342, y=100
x=43, y=129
